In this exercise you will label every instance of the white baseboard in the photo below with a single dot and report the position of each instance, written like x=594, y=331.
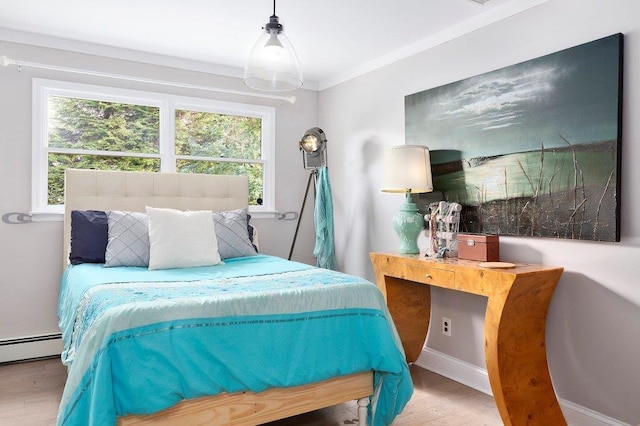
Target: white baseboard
x=455, y=369
x=30, y=347
x=583, y=416
x=478, y=379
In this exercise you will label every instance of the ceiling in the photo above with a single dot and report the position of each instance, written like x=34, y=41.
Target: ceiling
x=335, y=39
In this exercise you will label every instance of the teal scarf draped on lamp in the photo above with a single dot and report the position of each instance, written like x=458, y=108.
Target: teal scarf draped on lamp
x=324, y=250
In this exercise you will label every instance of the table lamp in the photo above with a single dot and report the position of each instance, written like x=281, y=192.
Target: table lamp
x=407, y=168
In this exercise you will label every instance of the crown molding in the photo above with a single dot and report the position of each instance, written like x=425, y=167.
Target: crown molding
x=477, y=22
x=88, y=48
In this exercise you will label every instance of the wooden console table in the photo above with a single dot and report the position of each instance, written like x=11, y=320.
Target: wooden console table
x=514, y=327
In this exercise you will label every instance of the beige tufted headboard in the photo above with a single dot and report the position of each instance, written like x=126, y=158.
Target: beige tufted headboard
x=133, y=191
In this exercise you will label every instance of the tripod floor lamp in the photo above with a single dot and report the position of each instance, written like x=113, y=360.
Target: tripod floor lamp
x=313, y=146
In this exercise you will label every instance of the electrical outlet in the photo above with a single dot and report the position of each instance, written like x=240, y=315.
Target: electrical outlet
x=446, y=326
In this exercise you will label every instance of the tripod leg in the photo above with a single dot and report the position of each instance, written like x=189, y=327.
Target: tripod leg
x=304, y=202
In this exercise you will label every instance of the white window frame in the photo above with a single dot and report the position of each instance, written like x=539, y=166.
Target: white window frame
x=167, y=105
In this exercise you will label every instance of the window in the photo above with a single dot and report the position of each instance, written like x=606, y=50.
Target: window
x=94, y=127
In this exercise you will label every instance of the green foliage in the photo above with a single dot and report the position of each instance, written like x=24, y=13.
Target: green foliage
x=81, y=124
x=252, y=170
x=206, y=134
x=103, y=126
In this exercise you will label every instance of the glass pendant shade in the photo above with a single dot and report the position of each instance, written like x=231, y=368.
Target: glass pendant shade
x=273, y=64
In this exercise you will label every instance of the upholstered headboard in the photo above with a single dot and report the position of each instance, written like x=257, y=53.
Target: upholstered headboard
x=133, y=191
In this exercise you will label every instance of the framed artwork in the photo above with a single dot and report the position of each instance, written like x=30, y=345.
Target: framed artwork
x=531, y=149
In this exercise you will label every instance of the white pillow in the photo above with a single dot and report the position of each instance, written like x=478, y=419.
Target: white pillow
x=181, y=239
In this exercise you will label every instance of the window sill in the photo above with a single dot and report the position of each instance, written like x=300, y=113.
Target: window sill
x=263, y=214
x=46, y=216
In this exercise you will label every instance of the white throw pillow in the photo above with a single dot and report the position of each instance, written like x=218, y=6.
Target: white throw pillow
x=181, y=239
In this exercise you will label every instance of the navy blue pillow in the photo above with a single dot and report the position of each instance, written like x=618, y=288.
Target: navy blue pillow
x=89, y=236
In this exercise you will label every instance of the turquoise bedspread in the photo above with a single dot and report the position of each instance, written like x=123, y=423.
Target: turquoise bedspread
x=139, y=341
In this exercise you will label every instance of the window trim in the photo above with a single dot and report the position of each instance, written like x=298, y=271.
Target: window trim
x=167, y=104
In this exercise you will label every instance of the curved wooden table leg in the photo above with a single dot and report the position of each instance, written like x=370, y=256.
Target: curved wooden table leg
x=516, y=353
x=411, y=311
x=515, y=321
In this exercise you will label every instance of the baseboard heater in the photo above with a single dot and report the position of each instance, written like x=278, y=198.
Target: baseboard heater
x=30, y=347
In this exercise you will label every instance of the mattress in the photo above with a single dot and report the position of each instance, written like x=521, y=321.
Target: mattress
x=138, y=341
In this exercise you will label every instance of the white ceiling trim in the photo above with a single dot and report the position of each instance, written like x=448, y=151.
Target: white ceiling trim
x=117, y=52
x=479, y=21
x=6, y=61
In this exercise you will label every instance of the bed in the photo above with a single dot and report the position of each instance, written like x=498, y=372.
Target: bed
x=246, y=340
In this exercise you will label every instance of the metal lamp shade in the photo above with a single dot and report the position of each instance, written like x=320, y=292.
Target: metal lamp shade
x=313, y=145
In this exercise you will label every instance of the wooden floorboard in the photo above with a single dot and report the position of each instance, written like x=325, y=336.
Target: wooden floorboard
x=30, y=393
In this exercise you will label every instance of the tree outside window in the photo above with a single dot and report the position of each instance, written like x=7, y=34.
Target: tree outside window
x=93, y=127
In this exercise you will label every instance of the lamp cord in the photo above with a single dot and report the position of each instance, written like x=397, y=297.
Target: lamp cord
x=274, y=7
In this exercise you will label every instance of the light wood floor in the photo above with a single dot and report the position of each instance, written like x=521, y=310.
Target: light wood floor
x=30, y=393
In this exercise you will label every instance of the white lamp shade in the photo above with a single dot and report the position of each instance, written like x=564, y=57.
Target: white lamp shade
x=407, y=168
x=273, y=64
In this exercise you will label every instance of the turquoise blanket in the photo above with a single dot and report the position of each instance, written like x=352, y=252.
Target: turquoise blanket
x=141, y=342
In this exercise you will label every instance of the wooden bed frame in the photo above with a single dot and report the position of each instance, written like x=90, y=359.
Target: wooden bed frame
x=133, y=191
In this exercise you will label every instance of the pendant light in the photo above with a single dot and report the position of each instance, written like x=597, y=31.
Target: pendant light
x=273, y=64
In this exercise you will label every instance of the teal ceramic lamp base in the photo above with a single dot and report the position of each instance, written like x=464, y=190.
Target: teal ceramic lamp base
x=408, y=223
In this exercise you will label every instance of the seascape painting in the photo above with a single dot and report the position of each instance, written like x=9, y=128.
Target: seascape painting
x=531, y=149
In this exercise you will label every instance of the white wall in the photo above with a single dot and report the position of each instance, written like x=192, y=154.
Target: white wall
x=593, y=329
x=30, y=253
x=594, y=319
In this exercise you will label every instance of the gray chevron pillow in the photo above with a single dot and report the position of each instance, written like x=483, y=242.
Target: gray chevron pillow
x=232, y=234
x=128, y=242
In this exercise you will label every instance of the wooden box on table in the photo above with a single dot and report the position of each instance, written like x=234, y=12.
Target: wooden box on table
x=482, y=247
